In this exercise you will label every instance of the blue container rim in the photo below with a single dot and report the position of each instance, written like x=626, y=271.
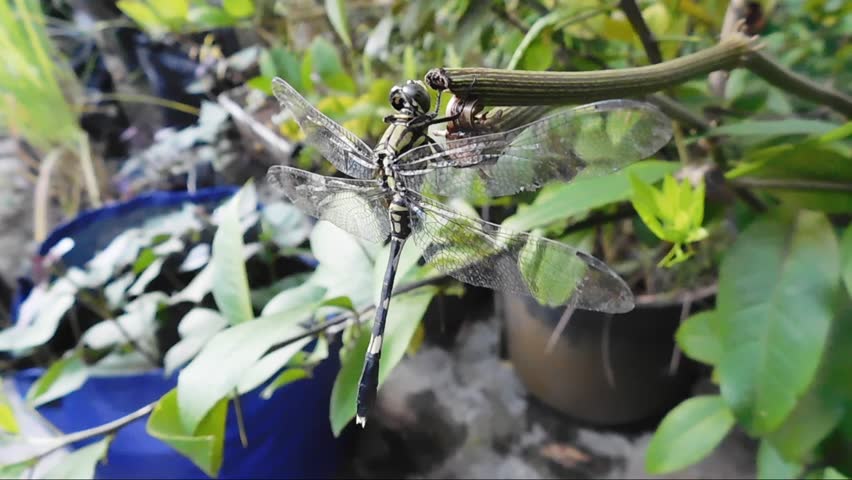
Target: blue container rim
x=161, y=197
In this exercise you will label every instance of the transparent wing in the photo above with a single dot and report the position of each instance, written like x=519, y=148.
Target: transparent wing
x=358, y=206
x=338, y=145
x=597, y=138
x=483, y=254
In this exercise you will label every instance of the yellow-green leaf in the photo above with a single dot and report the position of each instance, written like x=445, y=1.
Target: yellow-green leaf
x=8, y=422
x=204, y=445
x=239, y=8
x=699, y=337
x=688, y=433
x=63, y=377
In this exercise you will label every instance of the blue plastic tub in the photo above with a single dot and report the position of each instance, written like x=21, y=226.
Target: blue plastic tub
x=289, y=435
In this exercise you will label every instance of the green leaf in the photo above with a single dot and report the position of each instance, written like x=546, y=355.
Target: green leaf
x=377, y=45
x=81, y=463
x=839, y=133
x=699, y=337
x=262, y=83
x=813, y=419
x=32, y=331
x=239, y=8
x=688, y=433
x=221, y=365
x=770, y=464
x=534, y=33
x=203, y=445
x=147, y=276
x=307, y=292
x=285, y=378
x=63, y=377
x=336, y=11
x=565, y=200
x=846, y=255
x=16, y=470
x=774, y=128
x=830, y=473
x=644, y=200
x=141, y=13
x=342, y=302
x=230, y=281
x=269, y=365
x=195, y=329
x=404, y=315
x=8, y=422
x=280, y=62
x=775, y=307
x=174, y=12
x=325, y=61
x=808, y=160
x=345, y=266
x=288, y=226
x=539, y=55
x=208, y=16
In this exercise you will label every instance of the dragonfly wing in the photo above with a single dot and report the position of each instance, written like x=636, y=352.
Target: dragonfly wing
x=358, y=206
x=484, y=254
x=595, y=139
x=338, y=145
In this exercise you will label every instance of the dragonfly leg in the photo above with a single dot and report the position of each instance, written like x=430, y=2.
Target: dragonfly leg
x=369, y=384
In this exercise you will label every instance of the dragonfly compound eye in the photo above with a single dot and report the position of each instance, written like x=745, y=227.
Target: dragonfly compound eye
x=411, y=98
x=397, y=98
x=417, y=96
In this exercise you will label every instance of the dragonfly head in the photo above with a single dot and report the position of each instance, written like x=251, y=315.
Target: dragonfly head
x=411, y=98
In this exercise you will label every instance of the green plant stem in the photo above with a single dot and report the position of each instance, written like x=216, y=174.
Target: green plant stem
x=498, y=87
x=790, y=81
x=41, y=195
x=89, y=171
x=679, y=113
x=495, y=87
x=342, y=317
x=148, y=100
x=105, y=429
x=793, y=184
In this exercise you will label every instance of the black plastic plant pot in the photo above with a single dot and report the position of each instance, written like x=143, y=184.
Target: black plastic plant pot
x=604, y=369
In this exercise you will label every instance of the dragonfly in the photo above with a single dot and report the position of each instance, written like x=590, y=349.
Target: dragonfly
x=397, y=187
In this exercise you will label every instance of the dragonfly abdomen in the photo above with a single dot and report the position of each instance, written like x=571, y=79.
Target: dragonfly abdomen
x=399, y=218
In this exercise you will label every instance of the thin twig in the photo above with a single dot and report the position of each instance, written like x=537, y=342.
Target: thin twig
x=799, y=85
x=674, y=361
x=105, y=429
x=605, y=351
x=678, y=296
x=793, y=184
x=734, y=14
x=649, y=42
x=563, y=323
x=342, y=317
x=241, y=424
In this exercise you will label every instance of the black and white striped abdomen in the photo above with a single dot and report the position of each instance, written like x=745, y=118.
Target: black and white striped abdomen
x=399, y=217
